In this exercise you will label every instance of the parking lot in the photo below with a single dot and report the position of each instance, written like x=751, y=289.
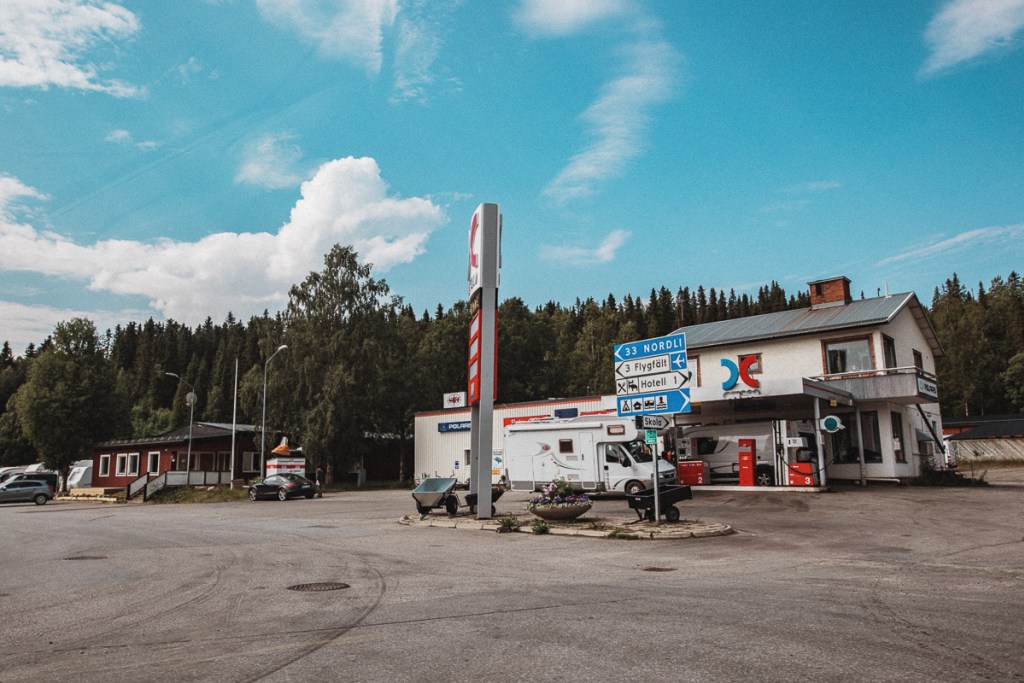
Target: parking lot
x=880, y=584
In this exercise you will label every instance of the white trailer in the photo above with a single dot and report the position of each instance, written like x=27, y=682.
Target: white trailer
x=595, y=453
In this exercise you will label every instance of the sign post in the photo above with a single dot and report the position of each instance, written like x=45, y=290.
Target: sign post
x=484, y=263
x=651, y=380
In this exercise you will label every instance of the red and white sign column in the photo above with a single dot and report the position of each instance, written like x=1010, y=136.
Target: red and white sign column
x=481, y=387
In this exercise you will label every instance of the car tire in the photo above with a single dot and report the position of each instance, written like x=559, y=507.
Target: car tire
x=40, y=499
x=308, y=496
x=282, y=494
x=252, y=494
x=633, y=488
x=764, y=476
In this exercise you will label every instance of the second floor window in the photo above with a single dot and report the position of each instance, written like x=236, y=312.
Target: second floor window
x=850, y=355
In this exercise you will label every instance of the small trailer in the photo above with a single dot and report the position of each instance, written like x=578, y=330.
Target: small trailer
x=668, y=496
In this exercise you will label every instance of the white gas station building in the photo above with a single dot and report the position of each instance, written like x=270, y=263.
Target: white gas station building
x=866, y=365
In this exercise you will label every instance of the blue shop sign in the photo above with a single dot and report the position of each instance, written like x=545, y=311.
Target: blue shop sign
x=455, y=426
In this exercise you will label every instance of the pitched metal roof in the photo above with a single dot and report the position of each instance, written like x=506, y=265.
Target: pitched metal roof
x=859, y=313
x=1004, y=429
x=200, y=431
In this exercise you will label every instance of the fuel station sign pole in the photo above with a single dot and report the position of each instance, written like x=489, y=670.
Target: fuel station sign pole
x=482, y=366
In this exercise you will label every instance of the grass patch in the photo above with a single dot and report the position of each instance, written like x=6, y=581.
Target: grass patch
x=216, y=494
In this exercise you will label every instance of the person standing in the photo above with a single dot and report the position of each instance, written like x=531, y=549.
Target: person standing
x=319, y=481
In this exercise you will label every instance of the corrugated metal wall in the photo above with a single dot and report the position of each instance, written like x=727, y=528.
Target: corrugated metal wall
x=989, y=449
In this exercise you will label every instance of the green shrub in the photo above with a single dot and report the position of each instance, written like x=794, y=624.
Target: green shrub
x=540, y=527
x=508, y=524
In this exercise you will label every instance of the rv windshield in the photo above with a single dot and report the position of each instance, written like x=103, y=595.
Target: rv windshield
x=641, y=452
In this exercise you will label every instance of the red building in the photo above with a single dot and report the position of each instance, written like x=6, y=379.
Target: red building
x=118, y=463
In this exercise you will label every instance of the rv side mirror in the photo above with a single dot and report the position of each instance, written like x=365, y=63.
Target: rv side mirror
x=624, y=461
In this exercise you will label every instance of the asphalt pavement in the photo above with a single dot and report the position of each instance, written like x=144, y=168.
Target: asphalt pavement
x=887, y=583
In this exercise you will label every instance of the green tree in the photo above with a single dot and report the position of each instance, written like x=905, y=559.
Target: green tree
x=70, y=399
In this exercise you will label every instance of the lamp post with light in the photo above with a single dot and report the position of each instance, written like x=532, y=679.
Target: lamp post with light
x=263, y=428
x=190, y=401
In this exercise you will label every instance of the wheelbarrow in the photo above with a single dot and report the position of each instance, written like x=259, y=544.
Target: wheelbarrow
x=436, y=492
x=496, y=492
x=668, y=496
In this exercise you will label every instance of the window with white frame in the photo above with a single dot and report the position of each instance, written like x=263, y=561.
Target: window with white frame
x=122, y=464
x=133, y=464
x=105, y=465
x=251, y=461
x=153, y=466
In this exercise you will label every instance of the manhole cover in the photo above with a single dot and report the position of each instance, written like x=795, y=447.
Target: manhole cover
x=314, y=587
x=86, y=557
x=659, y=569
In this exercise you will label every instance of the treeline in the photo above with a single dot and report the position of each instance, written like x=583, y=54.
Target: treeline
x=360, y=362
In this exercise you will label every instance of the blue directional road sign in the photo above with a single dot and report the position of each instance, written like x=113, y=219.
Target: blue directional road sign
x=674, y=401
x=673, y=343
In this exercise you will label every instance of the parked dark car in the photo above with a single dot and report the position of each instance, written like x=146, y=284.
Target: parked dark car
x=24, y=491
x=282, y=487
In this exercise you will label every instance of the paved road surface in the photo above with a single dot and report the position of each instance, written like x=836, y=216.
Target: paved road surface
x=902, y=584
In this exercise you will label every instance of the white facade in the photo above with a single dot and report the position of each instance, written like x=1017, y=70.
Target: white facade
x=442, y=437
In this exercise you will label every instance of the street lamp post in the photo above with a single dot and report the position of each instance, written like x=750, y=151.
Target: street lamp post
x=263, y=428
x=190, y=399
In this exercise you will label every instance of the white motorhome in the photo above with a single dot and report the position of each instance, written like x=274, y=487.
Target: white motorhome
x=595, y=453
x=776, y=444
x=8, y=472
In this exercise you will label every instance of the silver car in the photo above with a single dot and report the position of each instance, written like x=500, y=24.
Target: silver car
x=25, y=490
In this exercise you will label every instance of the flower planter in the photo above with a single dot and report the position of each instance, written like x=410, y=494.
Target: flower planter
x=559, y=512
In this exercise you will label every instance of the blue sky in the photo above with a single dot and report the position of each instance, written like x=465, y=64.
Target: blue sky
x=183, y=159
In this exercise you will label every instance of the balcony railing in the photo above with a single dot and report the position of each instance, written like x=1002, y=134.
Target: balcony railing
x=904, y=384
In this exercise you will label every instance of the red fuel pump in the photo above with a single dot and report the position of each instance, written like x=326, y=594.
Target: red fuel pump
x=748, y=462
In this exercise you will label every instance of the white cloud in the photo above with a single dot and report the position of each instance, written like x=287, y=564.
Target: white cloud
x=415, y=53
x=347, y=29
x=565, y=17
x=618, y=120
x=346, y=201
x=189, y=69
x=124, y=137
x=44, y=43
x=965, y=29
x=604, y=252
x=996, y=236
x=272, y=162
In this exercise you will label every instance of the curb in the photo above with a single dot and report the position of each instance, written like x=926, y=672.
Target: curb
x=633, y=530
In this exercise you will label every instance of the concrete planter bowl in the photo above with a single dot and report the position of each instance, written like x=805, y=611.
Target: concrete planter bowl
x=559, y=513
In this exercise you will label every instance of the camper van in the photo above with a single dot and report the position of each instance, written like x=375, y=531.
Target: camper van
x=8, y=472
x=80, y=476
x=776, y=443
x=595, y=453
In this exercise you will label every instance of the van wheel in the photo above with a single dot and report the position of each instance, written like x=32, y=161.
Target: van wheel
x=765, y=476
x=633, y=488
x=40, y=499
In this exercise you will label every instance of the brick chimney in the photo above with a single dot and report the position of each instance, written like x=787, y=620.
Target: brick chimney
x=831, y=292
